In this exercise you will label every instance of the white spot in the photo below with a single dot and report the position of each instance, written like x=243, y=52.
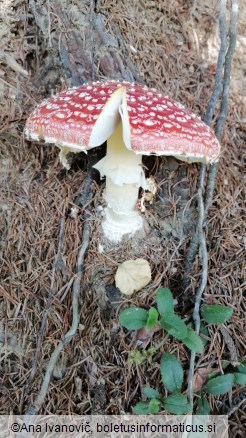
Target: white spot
x=167, y=125
x=179, y=105
x=149, y=122
x=52, y=106
x=82, y=94
x=91, y=107
x=60, y=115
x=160, y=107
x=67, y=98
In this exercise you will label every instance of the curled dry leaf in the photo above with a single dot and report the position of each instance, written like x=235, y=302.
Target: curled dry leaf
x=200, y=377
x=132, y=276
x=144, y=333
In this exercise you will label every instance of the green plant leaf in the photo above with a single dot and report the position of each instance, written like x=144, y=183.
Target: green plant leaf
x=152, y=318
x=151, y=392
x=219, y=385
x=215, y=313
x=241, y=368
x=240, y=379
x=203, y=406
x=164, y=301
x=176, y=404
x=174, y=325
x=154, y=406
x=204, y=333
x=133, y=318
x=141, y=408
x=225, y=364
x=171, y=372
x=193, y=342
x=137, y=356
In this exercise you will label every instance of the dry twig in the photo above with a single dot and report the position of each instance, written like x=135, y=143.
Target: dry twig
x=224, y=101
x=204, y=260
x=199, y=237
x=224, y=59
x=194, y=243
x=34, y=408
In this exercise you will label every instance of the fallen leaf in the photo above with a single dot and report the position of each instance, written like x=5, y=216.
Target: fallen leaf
x=144, y=333
x=200, y=378
x=132, y=276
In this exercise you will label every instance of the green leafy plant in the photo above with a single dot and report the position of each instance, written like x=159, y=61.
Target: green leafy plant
x=240, y=374
x=135, y=318
x=215, y=313
x=219, y=385
x=172, y=373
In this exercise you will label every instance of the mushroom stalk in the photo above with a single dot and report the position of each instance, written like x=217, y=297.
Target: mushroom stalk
x=124, y=176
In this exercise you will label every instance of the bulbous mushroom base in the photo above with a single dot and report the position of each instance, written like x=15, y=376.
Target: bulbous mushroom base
x=115, y=226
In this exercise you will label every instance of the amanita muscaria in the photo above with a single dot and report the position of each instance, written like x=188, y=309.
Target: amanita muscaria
x=135, y=121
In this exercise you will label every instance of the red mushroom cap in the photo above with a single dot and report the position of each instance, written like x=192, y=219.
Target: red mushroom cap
x=69, y=117
x=161, y=126
x=84, y=117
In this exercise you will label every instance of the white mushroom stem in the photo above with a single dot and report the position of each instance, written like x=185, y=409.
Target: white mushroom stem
x=124, y=176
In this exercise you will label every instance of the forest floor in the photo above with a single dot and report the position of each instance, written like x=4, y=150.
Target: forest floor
x=172, y=46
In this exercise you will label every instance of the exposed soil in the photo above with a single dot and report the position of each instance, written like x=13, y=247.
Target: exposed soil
x=44, y=48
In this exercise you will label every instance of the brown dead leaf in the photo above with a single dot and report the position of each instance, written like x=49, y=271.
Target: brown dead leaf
x=200, y=377
x=144, y=333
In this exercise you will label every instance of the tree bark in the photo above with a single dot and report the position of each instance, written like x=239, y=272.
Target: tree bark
x=76, y=44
